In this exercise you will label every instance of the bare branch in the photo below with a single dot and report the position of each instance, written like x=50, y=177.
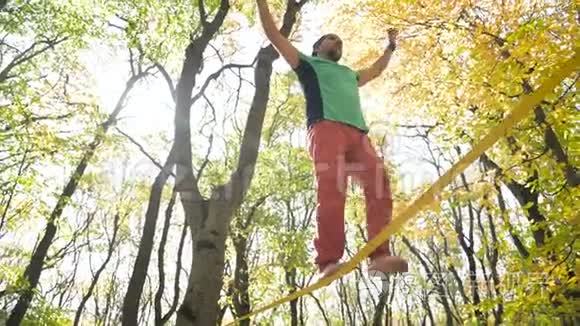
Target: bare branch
x=29, y=120
x=116, y=26
x=132, y=62
x=216, y=74
x=142, y=149
x=217, y=52
x=12, y=191
x=213, y=112
x=246, y=224
x=167, y=78
x=417, y=126
x=111, y=248
x=28, y=55
x=209, y=148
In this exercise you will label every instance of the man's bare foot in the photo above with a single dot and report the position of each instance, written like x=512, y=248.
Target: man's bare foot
x=387, y=264
x=329, y=270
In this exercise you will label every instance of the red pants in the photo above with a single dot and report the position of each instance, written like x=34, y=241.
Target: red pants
x=339, y=151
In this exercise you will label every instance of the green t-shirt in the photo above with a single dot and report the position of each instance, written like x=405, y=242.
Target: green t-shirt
x=331, y=92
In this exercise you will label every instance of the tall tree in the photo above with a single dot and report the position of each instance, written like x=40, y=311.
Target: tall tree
x=209, y=218
x=34, y=268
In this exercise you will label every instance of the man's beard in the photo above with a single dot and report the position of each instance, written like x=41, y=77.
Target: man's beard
x=334, y=55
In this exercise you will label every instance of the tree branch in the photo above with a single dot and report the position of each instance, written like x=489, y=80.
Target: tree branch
x=240, y=178
x=553, y=143
x=206, y=159
x=167, y=78
x=216, y=74
x=219, y=17
x=25, y=56
x=202, y=12
x=524, y=196
x=142, y=149
x=176, y=287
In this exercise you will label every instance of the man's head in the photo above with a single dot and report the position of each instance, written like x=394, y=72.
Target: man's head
x=329, y=47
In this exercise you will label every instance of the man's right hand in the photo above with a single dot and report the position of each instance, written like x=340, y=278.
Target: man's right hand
x=279, y=41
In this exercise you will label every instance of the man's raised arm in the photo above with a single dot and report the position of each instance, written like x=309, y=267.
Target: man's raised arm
x=374, y=71
x=286, y=49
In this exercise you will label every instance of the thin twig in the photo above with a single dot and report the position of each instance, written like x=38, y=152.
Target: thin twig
x=142, y=149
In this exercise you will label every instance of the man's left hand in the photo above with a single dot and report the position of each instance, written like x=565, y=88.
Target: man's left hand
x=393, y=33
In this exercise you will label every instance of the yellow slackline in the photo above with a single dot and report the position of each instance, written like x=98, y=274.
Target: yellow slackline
x=524, y=106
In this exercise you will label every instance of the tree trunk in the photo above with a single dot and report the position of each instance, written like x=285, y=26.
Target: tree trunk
x=553, y=143
x=407, y=312
x=240, y=289
x=185, y=182
x=294, y=312
x=452, y=268
x=319, y=305
x=469, y=250
x=505, y=217
x=389, y=306
x=358, y=279
x=379, y=309
x=87, y=296
x=137, y=281
x=241, y=297
x=493, y=257
x=176, y=282
x=525, y=196
x=209, y=219
x=427, y=307
x=107, y=317
x=161, y=261
x=344, y=302
x=35, y=267
x=438, y=284
x=291, y=282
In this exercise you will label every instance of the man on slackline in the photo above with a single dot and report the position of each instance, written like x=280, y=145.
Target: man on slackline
x=339, y=145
